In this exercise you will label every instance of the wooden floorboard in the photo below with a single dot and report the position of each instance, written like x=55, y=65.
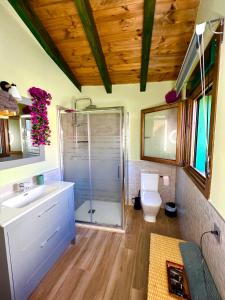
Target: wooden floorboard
x=106, y=265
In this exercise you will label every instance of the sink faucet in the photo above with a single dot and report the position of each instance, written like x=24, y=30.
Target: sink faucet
x=24, y=186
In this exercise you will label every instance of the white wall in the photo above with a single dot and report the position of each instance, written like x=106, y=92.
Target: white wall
x=24, y=62
x=133, y=100
x=211, y=9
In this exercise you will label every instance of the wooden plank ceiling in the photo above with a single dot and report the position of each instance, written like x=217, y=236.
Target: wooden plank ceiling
x=119, y=26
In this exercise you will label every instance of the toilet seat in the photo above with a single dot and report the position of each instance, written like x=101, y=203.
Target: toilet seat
x=151, y=198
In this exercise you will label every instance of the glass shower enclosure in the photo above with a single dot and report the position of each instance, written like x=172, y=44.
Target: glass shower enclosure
x=92, y=157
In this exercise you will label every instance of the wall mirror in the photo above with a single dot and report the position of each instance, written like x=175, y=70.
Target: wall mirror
x=16, y=147
x=162, y=133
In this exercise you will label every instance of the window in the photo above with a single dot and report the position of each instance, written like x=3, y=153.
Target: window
x=182, y=133
x=202, y=129
x=162, y=132
x=200, y=121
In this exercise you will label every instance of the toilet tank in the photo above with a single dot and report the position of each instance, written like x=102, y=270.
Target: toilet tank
x=149, y=182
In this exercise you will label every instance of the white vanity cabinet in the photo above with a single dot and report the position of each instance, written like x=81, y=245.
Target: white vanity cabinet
x=31, y=244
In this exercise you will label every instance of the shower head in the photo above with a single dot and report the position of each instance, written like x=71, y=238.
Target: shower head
x=89, y=107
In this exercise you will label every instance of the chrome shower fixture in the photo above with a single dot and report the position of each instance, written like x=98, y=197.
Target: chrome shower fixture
x=90, y=106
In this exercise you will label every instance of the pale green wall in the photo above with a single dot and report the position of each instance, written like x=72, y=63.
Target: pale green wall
x=23, y=61
x=211, y=9
x=129, y=96
x=133, y=101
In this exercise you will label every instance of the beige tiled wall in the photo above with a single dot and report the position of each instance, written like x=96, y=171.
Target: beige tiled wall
x=197, y=215
x=134, y=178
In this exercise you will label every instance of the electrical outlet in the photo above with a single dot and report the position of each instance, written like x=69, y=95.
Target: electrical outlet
x=217, y=237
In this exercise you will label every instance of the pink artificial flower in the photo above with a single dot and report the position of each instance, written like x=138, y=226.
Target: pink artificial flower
x=40, y=130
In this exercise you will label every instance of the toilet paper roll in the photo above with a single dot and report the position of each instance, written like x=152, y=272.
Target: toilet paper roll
x=166, y=180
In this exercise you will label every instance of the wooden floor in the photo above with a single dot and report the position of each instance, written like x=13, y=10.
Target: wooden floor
x=106, y=265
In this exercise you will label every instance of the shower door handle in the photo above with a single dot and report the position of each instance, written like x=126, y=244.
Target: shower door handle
x=118, y=172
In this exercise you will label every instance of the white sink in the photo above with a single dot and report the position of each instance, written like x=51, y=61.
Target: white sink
x=23, y=199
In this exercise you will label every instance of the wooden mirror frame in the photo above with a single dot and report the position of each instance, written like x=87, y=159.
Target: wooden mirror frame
x=4, y=137
x=180, y=133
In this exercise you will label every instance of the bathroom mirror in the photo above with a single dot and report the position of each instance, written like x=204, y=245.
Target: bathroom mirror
x=16, y=147
x=162, y=133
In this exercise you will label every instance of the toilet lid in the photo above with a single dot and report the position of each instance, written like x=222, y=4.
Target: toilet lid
x=151, y=198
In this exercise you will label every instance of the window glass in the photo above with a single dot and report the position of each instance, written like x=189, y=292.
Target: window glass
x=160, y=136
x=202, y=133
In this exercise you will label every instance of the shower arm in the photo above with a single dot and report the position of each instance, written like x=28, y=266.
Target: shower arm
x=80, y=99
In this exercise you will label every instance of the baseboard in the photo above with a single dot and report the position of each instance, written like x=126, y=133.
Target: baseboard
x=104, y=228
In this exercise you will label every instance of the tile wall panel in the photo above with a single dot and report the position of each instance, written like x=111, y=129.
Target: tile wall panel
x=197, y=215
x=135, y=167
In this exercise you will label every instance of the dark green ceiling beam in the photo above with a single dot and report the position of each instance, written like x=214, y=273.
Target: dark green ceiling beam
x=149, y=10
x=32, y=21
x=87, y=19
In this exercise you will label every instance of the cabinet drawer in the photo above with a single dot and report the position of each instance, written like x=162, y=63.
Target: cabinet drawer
x=32, y=243
x=37, y=223
x=37, y=240
x=39, y=257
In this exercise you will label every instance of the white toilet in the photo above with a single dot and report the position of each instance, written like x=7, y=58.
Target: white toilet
x=150, y=197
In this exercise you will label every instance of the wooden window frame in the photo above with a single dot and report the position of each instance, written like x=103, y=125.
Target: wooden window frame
x=180, y=133
x=4, y=132
x=202, y=182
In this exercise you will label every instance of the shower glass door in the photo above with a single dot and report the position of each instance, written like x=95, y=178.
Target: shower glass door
x=105, y=156
x=75, y=158
x=92, y=158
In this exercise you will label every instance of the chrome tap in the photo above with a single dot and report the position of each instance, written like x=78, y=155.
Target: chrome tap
x=24, y=186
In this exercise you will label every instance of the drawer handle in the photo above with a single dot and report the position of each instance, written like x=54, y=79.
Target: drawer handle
x=49, y=238
x=48, y=209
